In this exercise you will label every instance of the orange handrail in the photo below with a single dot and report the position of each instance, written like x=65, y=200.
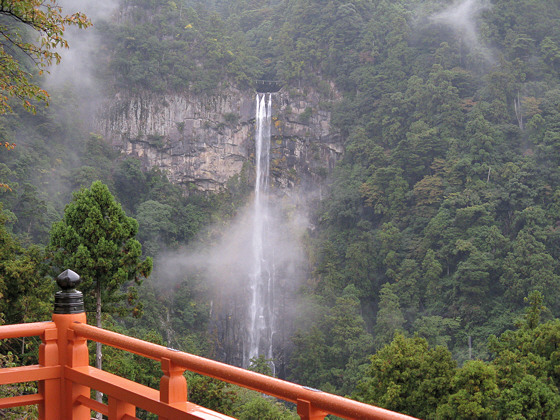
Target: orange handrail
x=65, y=377
x=24, y=330
x=331, y=404
x=311, y=403
x=47, y=373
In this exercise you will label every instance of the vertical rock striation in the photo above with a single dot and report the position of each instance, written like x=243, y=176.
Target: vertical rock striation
x=202, y=141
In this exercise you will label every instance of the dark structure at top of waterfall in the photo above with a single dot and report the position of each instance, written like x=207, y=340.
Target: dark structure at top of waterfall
x=268, y=86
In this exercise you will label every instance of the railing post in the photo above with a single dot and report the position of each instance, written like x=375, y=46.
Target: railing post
x=72, y=350
x=49, y=409
x=119, y=410
x=173, y=385
x=306, y=411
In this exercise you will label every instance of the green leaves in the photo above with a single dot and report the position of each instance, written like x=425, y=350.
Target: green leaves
x=165, y=47
x=329, y=353
x=475, y=391
x=521, y=381
x=389, y=317
x=45, y=18
x=409, y=377
x=97, y=240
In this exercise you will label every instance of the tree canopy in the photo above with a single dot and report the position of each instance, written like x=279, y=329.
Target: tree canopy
x=440, y=218
x=21, y=55
x=96, y=239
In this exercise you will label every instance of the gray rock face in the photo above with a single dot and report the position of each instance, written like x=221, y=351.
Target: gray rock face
x=202, y=141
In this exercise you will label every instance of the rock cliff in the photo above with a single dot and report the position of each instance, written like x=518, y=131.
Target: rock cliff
x=202, y=141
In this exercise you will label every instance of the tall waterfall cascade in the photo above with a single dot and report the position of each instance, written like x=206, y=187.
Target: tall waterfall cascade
x=260, y=328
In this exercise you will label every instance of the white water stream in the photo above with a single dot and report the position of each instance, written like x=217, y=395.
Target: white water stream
x=261, y=279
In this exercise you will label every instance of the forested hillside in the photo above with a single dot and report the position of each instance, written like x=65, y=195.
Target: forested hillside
x=440, y=226
x=443, y=214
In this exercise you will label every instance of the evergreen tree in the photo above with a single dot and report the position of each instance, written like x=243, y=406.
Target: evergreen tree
x=96, y=239
x=25, y=293
x=409, y=377
x=476, y=392
x=389, y=317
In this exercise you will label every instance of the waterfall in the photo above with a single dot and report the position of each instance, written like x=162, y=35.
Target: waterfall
x=261, y=278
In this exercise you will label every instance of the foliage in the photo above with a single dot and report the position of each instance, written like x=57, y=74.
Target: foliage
x=409, y=377
x=235, y=401
x=18, y=53
x=521, y=381
x=211, y=393
x=175, y=46
x=259, y=407
x=437, y=222
x=4, y=186
x=26, y=294
x=331, y=354
x=389, y=317
x=261, y=365
x=97, y=240
x=476, y=393
x=442, y=211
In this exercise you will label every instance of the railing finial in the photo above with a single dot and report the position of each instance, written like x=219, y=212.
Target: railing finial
x=68, y=300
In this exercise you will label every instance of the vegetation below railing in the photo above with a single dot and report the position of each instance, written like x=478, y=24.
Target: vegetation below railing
x=65, y=378
x=440, y=220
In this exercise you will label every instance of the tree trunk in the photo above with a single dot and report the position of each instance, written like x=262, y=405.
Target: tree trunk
x=98, y=355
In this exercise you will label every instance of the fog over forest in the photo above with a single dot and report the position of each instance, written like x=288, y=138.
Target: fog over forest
x=403, y=247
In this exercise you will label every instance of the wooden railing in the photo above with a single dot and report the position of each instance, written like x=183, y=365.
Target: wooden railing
x=65, y=379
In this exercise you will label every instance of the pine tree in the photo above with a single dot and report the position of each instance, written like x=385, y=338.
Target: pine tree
x=96, y=239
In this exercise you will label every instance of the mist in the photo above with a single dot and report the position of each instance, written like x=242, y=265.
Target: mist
x=223, y=263
x=79, y=61
x=463, y=18
x=222, y=270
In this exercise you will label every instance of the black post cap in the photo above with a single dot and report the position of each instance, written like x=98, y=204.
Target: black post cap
x=68, y=300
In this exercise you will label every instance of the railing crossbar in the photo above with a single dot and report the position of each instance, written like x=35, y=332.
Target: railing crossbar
x=136, y=394
x=93, y=405
x=30, y=329
x=65, y=378
x=287, y=391
x=28, y=374
x=21, y=400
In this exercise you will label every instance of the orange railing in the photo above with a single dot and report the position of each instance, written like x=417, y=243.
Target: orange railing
x=65, y=379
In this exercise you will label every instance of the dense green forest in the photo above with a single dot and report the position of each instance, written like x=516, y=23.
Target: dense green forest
x=433, y=282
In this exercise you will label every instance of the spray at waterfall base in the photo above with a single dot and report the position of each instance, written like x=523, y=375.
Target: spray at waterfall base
x=262, y=305
x=245, y=328
x=253, y=269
